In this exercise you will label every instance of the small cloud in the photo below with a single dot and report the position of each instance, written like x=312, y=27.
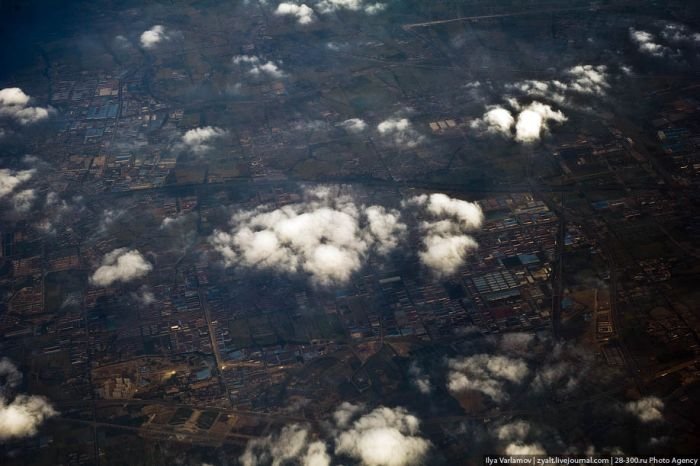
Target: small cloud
x=196, y=139
x=419, y=379
x=144, y=296
x=10, y=179
x=353, y=125
x=292, y=443
x=648, y=409
x=22, y=415
x=258, y=67
x=497, y=120
x=13, y=104
x=487, y=374
x=331, y=6
x=533, y=121
x=326, y=236
x=154, y=36
x=121, y=265
x=445, y=242
x=674, y=32
x=302, y=13
x=400, y=131
x=646, y=43
x=24, y=200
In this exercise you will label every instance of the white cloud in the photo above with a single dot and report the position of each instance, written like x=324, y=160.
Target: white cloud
x=486, y=374
x=24, y=200
x=679, y=33
x=580, y=79
x=345, y=413
x=290, y=444
x=22, y=415
x=109, y=216
x=10, y=179
x=385, y=227
x=646, y=43
x=326, y=237
x=13, y=103
x=121, y=265
x=533, y=121
x=515, y=449
x=169, y=222
x=331, y=6
x=10, y=376
x=401, y=131
x=419, y=379
x=496, y=120
x=589, y=79
x=154, y=36
x=353, y=125
x=384, y=437
x=302, y=13
x=648, y=409
x=144, y=296
x=445, y=241
x=258, y=67
x=196, y=139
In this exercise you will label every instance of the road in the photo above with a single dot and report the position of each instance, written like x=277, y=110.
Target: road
x=504, y=15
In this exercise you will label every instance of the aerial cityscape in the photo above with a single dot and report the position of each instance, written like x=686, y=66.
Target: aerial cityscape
x=349, y=232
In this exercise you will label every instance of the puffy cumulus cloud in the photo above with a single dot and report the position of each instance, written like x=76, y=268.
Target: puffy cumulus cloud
x=561, y=370
x=23, y=200
x=385, y=227
x=679, y=33
x=445, y=242
x=496, y=120
x=13, y=104
x=108, y=218
x=10, y=376
x=196, y=139
x=170, y=222
x=121, y=265
x=589, y=79
x=154, y=36
x=486, y=374
x=648, y=409
x=400, y=131
x=345, y=413
x=327, y=236
x=419, y=379
x=353, y=125
x=444, y=254
x=21, y=415
x=533, y=121
x=310, y=125
x=144, y=296
x=581, y=79
x=290, y=445
x=513, y=436
x=384, y=437
x=514, y=449
x=516, y=343
x=646, y=42
x=303, y=13
x=10, y=179
x=330, y=6
x=259, y=67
